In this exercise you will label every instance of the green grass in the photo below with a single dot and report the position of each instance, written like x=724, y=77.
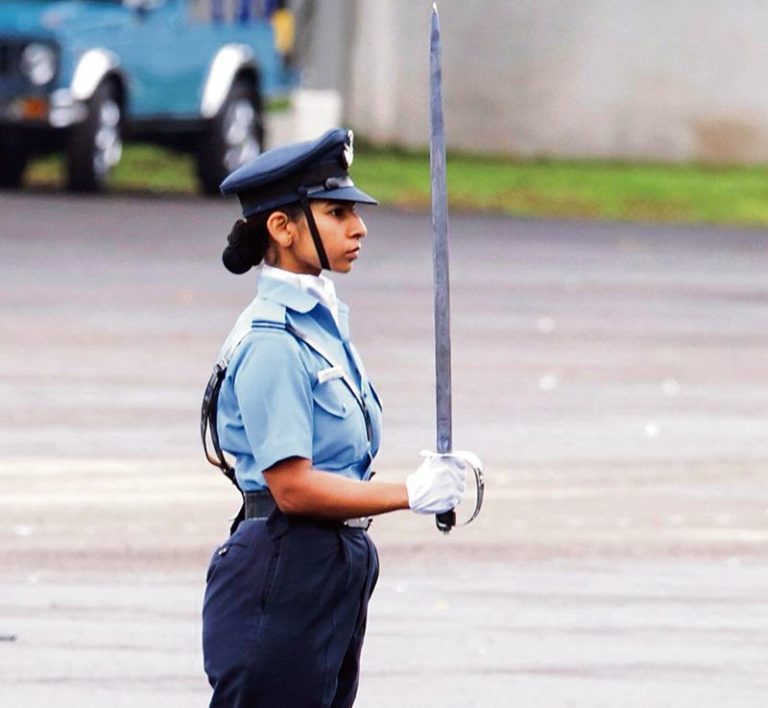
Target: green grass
x=143, y=168
x=560, y=189
x=595, y=190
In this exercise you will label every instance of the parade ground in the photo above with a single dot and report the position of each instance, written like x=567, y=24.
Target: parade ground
x=613, y=378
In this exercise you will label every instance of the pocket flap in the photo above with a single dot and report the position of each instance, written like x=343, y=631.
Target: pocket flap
x=334, y=398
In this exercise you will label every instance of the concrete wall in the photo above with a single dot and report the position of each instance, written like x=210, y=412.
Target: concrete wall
x=641, y=79
x=325, y=64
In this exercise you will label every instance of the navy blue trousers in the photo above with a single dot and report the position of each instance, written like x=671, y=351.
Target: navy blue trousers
x=284, y=614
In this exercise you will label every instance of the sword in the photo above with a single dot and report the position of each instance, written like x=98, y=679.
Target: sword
x=446, y=520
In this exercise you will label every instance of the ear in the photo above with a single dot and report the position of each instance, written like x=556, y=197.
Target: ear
x=281, y=229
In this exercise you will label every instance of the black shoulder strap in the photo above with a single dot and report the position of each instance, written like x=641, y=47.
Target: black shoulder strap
x=208, y=421
x=209, y=410
x=208, y=416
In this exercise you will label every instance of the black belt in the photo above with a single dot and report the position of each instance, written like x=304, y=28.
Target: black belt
x=259, y=505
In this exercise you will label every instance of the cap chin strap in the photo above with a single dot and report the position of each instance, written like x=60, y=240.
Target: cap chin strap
x=324, y=264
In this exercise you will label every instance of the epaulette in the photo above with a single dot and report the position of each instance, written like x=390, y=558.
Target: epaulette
x=267, y=314
x=260, y=314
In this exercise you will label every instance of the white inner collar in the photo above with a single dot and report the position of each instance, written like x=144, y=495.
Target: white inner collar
x=318, y=286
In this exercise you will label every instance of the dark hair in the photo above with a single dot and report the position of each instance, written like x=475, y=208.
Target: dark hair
x=249, y=239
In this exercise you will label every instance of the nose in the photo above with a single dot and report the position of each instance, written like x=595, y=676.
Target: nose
x=358, y=229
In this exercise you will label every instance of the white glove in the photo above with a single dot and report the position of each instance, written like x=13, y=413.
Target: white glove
x=438, y=485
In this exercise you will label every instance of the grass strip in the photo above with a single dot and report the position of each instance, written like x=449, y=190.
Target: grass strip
x=558, y=189
x=143, y=168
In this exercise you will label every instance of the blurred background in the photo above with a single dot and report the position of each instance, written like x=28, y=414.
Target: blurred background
x=649, y=81
x=600, y=110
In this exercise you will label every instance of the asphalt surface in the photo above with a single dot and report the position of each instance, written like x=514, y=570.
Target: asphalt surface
x=612, y=377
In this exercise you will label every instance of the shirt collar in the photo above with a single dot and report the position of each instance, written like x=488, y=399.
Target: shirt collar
x=301, y=292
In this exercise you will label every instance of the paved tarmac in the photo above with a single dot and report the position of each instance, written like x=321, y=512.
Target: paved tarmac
x=613, y=378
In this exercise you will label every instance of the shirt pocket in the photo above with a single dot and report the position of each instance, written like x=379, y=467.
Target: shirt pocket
x=334, y=397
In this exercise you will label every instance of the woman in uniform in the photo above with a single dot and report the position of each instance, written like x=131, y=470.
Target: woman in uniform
x=286, y=596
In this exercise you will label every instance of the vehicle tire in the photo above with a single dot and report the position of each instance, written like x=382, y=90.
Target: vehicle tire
x=13, y=162
x=233, y=137
x=96, y=144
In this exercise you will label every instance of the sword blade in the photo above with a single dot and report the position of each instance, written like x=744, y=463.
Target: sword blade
x=440, y=243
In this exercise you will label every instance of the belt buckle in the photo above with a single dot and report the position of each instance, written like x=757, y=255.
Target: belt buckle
x=360, y=522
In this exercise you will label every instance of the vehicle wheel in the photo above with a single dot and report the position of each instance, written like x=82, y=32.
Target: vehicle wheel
x=233, y=137
x=96, y=144
x=13, y=162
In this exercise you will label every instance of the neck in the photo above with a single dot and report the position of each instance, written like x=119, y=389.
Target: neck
x=290, y=265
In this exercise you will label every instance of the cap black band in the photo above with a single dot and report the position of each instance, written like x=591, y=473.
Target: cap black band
x=324, y=264
x=280, y=193
x=329, y=184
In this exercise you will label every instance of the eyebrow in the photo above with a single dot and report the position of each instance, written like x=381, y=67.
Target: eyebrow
x=337, y=205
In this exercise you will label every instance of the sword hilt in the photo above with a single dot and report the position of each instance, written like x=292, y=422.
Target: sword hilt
x=446, y=521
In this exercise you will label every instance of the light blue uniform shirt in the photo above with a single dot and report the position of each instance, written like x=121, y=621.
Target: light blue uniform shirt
x=278, y=399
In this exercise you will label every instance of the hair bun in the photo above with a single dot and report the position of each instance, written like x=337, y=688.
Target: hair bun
x=234, y=262
x=240, y=255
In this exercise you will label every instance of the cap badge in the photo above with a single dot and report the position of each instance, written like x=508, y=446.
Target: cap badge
x=349, y=151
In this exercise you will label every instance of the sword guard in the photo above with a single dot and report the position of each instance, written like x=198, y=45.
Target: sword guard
x=447, y=520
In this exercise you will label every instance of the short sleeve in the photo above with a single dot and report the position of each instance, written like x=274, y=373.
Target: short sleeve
x=274, y=395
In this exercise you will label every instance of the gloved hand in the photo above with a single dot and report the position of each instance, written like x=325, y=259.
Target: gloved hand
x=438, y=485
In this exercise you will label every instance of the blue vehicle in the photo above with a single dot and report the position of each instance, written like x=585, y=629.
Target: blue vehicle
x=83, y=76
